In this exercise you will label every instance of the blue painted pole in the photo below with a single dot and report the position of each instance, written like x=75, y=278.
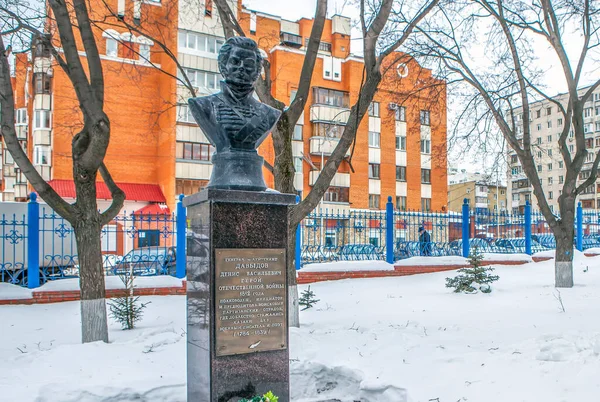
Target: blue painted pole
x=33, y=239
x=180, y=262
x=579, y=227
x=527, y=228
x=465, y=228
x=298, y=248
x=389, y=231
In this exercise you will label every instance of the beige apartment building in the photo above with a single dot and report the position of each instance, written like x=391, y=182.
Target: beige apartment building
x=482, y=196
x=546, y=123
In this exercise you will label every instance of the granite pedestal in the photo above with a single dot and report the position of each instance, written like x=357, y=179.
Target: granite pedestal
x=237, y=328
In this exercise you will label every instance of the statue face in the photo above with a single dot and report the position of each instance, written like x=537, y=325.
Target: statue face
x=241, y=67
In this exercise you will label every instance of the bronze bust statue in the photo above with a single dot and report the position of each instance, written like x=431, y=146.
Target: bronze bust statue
x=233, y=121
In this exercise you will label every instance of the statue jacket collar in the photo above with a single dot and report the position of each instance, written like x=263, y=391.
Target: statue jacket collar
x=236, y=95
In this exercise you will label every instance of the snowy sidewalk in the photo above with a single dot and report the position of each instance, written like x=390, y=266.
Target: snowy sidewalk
x=374, y=340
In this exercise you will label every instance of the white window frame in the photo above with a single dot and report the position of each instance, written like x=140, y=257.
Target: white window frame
x=402, y=142
x=110, y=52
x=39, y=151
x=426, y=146
x=374, y=139
x=298, y=164
x=21, y=117
x=37, y=122
x=400, y=114
x=184, y=114
x=144, y=52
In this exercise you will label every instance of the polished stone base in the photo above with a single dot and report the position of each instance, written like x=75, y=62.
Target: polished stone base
x=220, y=219
x=237, y=170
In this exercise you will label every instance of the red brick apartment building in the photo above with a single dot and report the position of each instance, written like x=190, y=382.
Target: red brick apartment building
x=156, y=149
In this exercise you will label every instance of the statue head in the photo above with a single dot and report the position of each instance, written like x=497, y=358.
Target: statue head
x=240, y=61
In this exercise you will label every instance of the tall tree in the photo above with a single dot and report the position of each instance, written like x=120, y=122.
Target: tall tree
x=378, y=52
x=504, y=80
x=72, y=22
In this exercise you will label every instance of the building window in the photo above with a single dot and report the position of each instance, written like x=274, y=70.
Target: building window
x=561, y=179
x=598, y=142
x=42, y=119
x=539, y=127
x=336, y=194
x=401, y=142
x=331, y=238
x=598, y=126
x=144, y=52
x=426, y=176
x=208, y=8
x=550, y=195
x=549, y=152
x=330, y=97
x=538, y=113
x=539, y=154
x=374, y=109
x=8, y=159
x=426, y=204
x=374, y=139
x=41, y=83
x=374, y=201
x=587, y=112
x=560, y=164
x=549, y=138
x=548, y=111
x=199, y=42
x=327, y=130
x=374, y=171
x=425, y=120
x=539, y=140
x=549, y=124
x=597, y=113
x=193, y=151
x=184, y=114
x=514, y=159
x=112, y=47
x=425, y=146
x=539, y=168
x=549, y=180
x=188, y=187
x=400, y=113
x=559, y=122
x=571, y=148
x=298, y=164
x=21, y=117
x=199, y=78
x=400, y=173
x=41, y=155
x=401, y=203
x=297, y=132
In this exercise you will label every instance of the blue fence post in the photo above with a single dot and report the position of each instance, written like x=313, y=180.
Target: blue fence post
x=298, y=248
x=181, y=227
x=579, y=227
x=389, y=231
x=33, y=242
x=465, y=228
x=527, y=228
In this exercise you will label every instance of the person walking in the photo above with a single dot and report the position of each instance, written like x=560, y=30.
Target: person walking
x=424, y=242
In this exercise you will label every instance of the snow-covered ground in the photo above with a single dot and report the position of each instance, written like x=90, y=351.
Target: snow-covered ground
x=386, y=340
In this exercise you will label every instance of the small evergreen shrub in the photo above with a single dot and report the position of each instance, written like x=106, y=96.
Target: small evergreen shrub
x=474, y=278
x=127, y=309
x=308, y=299
x=268, y=397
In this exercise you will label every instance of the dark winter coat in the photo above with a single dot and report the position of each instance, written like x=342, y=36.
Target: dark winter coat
x=425, y=243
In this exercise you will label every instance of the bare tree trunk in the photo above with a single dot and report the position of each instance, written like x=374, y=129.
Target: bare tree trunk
x=283, y=168
x=94, y=325
x=564, y=234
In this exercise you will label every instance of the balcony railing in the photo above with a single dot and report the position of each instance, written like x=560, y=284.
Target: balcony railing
x=289, y=39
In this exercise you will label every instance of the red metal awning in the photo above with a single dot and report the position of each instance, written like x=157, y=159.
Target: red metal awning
x=133, y=191
x=154, y=209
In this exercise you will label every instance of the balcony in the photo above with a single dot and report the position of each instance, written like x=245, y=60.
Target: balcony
x=339, y=180
x=292, y=40
x=329, y=114
x=324, y=146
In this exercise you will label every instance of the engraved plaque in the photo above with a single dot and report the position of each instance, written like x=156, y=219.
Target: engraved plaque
x=250, y=300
